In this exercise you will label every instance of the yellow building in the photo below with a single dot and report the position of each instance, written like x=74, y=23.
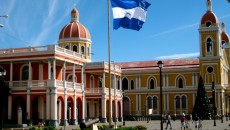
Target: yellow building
x=141, y=80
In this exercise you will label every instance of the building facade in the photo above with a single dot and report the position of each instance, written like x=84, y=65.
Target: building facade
x=59, y=84
x=141, y=80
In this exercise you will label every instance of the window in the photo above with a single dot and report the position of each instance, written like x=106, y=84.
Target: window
x=52, y=73
x=125, y=84
x=100, y=83
x=180, y=83
x=151, y=84
x=91, y=82
x=149, y=101
x=118, y=84
x=88, y=51
x=209, y=45
x=66, y=47
x=210, y=69
x=154, y=102
x=208, y=24
x=132, y=84
x=177, y=102
x=75, y=48
x=70, y=78
x=82, y=50
x=25, y=73
x=183, y=100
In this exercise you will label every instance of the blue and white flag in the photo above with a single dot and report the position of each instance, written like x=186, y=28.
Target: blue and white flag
x=130, y=14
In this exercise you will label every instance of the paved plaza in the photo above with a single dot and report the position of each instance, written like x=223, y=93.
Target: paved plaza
x=155, y=125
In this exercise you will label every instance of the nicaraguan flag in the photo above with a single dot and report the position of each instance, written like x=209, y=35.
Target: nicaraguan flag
x=130, y=14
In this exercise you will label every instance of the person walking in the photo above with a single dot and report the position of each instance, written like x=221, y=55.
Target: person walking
x=168, y=121
x=196, y=122
x=183, y=119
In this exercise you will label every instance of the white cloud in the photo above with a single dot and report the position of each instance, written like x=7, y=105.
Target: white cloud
x=179, y=56
x=176, y=29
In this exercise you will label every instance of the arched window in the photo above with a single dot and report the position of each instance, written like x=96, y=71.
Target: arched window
x=149, y=103
x=180, y=83
x=75, y=48
x=132, y=84
x=183, y=100
x=177, y=99
x=82, y=50
x=209, y=45
x=125, y=84
x=25, y=73
x=151, y=84
x=126, y=104
x=154, y=102
x=70, y=78
x=66, y=47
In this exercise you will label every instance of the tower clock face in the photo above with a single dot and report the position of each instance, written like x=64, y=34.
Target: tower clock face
x=210, y=69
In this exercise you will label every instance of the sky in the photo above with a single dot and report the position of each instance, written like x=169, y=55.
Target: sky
x=170, y=30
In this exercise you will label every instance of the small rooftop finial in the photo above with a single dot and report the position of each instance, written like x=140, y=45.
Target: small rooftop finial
x=74, y=15
x=209, y=5
x=223, y=27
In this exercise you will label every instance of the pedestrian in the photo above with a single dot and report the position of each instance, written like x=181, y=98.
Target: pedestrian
x=164, y=118
x=183, y=119
x=168, y=121
x=174, y=116
x=196, y=120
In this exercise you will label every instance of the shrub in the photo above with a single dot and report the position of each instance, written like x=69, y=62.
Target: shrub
x=141, y=127
x=101, y=127
x=126, y=128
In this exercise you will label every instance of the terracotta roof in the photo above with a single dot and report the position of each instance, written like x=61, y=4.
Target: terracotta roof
x=172, y=63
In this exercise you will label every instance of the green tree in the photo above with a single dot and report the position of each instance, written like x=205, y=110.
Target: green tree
x=202, y=107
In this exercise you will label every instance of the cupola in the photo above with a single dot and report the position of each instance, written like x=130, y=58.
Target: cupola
x=209, y=18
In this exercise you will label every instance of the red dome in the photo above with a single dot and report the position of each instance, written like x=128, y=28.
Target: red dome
x=209, y=16
x=224, y=37
x=74, y=30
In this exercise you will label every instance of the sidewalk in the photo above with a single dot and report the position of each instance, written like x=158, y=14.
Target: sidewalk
x=207, y=125
x=155, y=125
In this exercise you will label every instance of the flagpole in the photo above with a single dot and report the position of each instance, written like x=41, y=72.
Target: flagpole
x=110, y=103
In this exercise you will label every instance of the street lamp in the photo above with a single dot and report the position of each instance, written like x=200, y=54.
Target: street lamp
x=160, y=65
x=214, y=103
x=2, y=77
x=221, y=106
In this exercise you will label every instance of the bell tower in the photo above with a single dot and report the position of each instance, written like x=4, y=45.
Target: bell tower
x=210, y=46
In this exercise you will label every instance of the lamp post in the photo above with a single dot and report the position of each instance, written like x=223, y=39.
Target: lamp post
x=214, y=103
x=4, y=16
x=2, y=77
x=160, y=65
x=221, y=100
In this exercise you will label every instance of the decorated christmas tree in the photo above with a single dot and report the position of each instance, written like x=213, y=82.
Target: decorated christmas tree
x=202, y=108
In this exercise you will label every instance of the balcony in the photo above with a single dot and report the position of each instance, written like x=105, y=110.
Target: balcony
x=43, y=84
x=99, y=91
x=39, y=50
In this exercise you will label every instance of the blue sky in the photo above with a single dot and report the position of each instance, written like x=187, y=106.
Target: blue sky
x=170, y=30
